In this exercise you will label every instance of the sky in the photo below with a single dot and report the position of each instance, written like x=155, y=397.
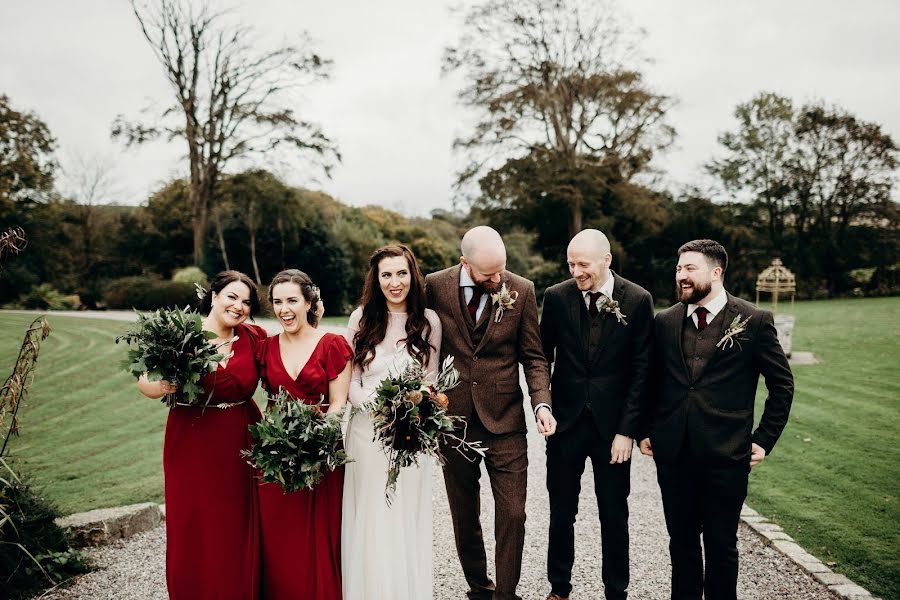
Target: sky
x=79, y=63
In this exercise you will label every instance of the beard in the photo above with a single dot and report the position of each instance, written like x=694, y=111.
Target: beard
x=696, y=293
x=489, y=286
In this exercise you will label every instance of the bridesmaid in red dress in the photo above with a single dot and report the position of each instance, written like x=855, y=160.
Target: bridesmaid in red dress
x=301, y=531
x=212, y=501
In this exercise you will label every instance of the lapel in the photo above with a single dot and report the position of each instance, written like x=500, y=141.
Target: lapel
x=729, y=312
x=490, y=308
x=451, y=290
x=679, y=315
x=608, y=321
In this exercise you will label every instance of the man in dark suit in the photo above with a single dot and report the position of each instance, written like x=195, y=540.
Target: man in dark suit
x=709, y=351
x=490, y=326
x=596, y=330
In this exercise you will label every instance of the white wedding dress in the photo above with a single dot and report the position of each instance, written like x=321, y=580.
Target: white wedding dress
x=385, y=550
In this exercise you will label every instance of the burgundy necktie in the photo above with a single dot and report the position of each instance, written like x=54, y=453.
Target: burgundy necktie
x=593, y=298
x=477, y=293
x=701, y=313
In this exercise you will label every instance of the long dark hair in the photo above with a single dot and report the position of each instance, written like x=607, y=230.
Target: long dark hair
x=310, y=292
x=374, y=321
x=218, y=284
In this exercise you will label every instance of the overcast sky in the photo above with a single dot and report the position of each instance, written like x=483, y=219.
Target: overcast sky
x=79, y=63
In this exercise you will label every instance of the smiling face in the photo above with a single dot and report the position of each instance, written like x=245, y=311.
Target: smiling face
x=695, y=277
x=290, y=306
x=394, y=278
x=588, y=267
x=485, y=268
x=231, y=305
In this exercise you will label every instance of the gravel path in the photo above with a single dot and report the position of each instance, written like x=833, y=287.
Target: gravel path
x=136, y=569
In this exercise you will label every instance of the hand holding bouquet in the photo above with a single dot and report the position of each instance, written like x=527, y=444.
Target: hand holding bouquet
x=296, y=444
x=410, y=418
x=171, y=344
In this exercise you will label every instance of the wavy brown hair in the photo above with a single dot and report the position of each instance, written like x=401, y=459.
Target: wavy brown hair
x=374, y=321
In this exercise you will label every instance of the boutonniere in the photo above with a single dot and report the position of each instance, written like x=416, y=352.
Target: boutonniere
x=505, y=298
x=737, y=326
x=605, y=304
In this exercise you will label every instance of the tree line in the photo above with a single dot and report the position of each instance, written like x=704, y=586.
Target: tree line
x=567, y=135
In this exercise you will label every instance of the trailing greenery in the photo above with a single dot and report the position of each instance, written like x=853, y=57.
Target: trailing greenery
x=172, y=345
x=296, y=444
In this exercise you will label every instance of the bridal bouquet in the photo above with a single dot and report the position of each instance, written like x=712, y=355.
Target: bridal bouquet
x=171, y=344
x=410, y=418
x=296, y=444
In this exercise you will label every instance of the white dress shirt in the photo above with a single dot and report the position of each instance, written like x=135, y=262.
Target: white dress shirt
x=606, y=289
x=714, y=307
x=465, y=282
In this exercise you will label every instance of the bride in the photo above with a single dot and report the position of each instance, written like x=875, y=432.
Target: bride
x=386, y=550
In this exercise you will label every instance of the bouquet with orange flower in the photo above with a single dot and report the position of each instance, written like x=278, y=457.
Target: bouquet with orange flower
x=410, y=418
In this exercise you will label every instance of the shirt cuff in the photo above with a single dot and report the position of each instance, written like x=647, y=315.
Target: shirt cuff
x=543, y=404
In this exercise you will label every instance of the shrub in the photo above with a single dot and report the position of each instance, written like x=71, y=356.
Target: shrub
x=45, y=297
x=191, y=275
x=35, y=553
x=148, y=293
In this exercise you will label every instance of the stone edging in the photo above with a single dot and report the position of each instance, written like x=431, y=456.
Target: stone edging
x=107, y=525
x=773, y=535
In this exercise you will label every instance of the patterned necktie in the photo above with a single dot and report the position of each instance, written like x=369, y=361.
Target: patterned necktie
x=477, y=293
x=701, y=313
x=593, y=297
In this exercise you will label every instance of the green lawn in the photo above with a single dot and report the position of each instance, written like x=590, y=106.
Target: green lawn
x=89, y=439
x=832, y=481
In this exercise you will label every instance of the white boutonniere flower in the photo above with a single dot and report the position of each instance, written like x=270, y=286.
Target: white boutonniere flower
x=605, y=304
x=505, y=298
x=737, y=326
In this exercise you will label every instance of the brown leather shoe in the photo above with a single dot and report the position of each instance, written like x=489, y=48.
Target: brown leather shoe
x=553, y=596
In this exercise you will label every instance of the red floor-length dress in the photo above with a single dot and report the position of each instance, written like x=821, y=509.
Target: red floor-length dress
x=301, y=531
x=212, y=500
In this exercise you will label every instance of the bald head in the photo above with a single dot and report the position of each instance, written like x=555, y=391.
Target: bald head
x=589, y=257
x=484, y=255
x=591, y=241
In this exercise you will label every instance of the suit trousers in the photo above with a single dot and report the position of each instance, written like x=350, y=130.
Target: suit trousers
x=702, y=500
x=506, y=461
x=567, y=453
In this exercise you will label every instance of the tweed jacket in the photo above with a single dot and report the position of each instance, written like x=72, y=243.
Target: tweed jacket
x=489, y=370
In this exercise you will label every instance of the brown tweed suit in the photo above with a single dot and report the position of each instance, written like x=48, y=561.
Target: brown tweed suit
x=487, y=355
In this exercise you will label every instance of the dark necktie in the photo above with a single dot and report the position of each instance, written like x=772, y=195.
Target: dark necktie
x=701, y=313
x=477, y=293
x=593, y=298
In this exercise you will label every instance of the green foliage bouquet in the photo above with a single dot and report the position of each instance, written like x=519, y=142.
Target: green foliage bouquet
x=171, y=344
x=296, y=444
x=410, y=418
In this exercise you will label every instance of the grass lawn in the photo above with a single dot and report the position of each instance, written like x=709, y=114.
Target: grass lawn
x=89, y=439
x=832, y=481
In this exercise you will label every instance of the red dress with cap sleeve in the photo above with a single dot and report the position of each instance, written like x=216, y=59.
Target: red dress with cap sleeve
x=212, y=496
x=301, y=531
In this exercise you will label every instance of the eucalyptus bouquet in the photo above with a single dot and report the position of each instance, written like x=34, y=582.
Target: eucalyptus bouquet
x=410, y=418
x=171, y=344
x=296, y=444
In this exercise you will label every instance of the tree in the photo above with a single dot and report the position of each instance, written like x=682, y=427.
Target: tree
x=27, y=163
x=230, y=99
x=819, y=177
x=552, y=80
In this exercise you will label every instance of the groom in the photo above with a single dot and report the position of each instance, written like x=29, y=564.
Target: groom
x=490, y=325
x=596, y=329
x=709, y=351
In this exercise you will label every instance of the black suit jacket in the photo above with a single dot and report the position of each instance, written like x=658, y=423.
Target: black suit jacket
x=613, y=379
x=713, y=411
